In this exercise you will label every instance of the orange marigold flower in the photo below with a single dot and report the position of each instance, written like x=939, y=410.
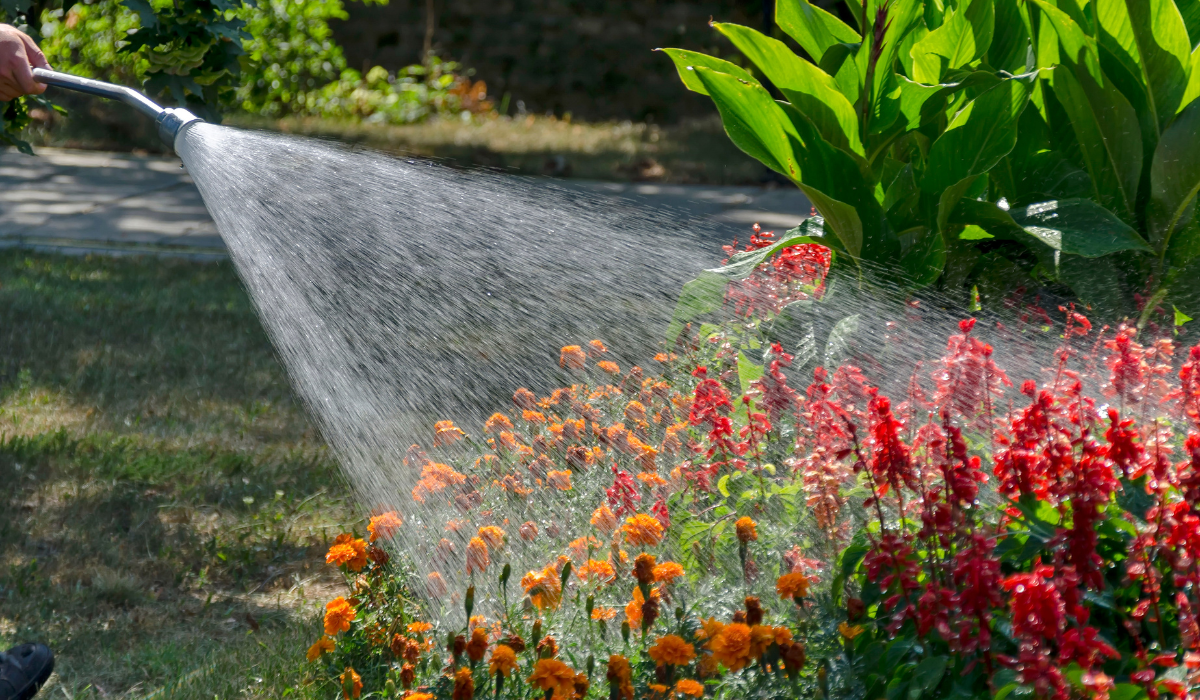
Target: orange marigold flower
x=761, y=637
x=351, y=683
x=747, y=529
x=643, y=569
x=596, y=349
x=509, y=440
x=338, y=616
x=644, y=530
x=791, y=586
x=603, y=614
x=419, y=696
x=503, y=661
x=528, y=530
x=435, y=476
x=419, y=627
x=651, y=479
x=783, y=636
x=497, y=423
x=493, y=535
x=446, y=433
x=665, y=357
x=595, y=568
x=544, y=589
x=349, y=551
x=384, y=525
x=672, y=650
x=477, y=555
x=732, y=646
x=709, y=629
x=646, y=458
x=635, y=412
x=554, y=676
x=579, y=547
x=687, y=686
x=849, y=631
x=572, y=357
x=478, y=645
x=657, y=689
x=633, y=610
x=319, y=647
x=609, y=366
x=435, y=585
x=408, y=674
x=533, y=416
x=707, y=667
x=464, y=685
x=525, y=399
x=560, y=480
x=667, y=572
x=604, y=520
x=620, y=675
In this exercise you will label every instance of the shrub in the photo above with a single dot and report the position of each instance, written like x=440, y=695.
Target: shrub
x=989, y=143
x=732, y=535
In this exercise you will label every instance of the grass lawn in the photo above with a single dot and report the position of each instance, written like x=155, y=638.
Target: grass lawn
x=164, y=502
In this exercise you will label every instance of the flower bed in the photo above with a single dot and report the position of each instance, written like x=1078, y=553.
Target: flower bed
x=711, y=530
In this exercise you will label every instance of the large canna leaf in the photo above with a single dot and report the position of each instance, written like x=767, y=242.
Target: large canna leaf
x=753, y=120
x=1077, y=47
x=1109, y=137
x=685, y=60
x=964, y=37
x=1149, y=40
x=1078, y=227
x=982, y=133
x=1192, y=91
x=806, y=86
x=1010, y=39
x=813, y=28
x=1190, y=10
x=1175, y=176
x=764, y=129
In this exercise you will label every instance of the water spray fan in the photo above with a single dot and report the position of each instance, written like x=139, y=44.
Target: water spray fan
x=171, y=121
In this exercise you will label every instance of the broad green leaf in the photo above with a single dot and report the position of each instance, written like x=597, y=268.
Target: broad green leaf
x=1190, y=10
x=1078, y=227
x=929, y=672
x=753, y=120
x=1192, y=91
x=1010, y=38
x=741, y=264
x=813, y=28
x=840, y=341
x=925, y=259
x=977, y=137
x=1175, y=176
x=1127, y=691
x=902, y=17
x=971, y=232
x=747, y=371
x=1180, y=317
x=964, y=37
x=1148, y=39
x=1110, y=142
x=1077, y=46
x=700, y=296
x=807, y=87
x=841, y=62
x=685, y=60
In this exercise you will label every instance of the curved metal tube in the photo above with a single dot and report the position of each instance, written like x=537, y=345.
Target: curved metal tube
x=170, y=121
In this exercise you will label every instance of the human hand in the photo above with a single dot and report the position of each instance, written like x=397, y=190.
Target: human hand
x=18, y=56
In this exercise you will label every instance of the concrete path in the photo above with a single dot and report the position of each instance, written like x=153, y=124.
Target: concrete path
x=94, y=202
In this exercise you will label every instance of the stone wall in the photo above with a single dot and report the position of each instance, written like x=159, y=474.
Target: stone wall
x=592, y=58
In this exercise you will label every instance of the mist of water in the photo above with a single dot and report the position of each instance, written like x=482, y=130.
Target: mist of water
x=398, y=293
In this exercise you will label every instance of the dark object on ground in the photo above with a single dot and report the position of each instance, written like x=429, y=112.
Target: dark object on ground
x=24, y=669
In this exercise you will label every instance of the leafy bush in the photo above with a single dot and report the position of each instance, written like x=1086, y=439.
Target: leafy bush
x=984, y=142
x=714, y=531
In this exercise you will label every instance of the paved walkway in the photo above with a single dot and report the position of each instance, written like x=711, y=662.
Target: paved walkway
x=94, y=202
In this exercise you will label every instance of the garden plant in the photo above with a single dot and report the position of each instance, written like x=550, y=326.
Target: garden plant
x=723, y=529
x=986, y=144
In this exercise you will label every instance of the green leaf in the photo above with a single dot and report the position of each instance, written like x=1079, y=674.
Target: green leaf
x=1078, y=47
x=971, y=232
x=813, y=28
x=925, y=259
x=1149, y=39
x=747, y=371
x=741, y=264
x=1079, y=227
x=965, y=36
x=1180, y=317
x=1109, y=136
x=1010, y=38
x=754, y=121
x=810, y=89
x=700, y=296
x=982, y=133
x=1127, y=691
x=723, y=485
x=685, y=60
x=839, y=343
x=929, y=673
x=1192, y=91
x=1175, y=176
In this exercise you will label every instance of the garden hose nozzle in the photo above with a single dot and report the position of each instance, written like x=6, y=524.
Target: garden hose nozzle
x=170, y=120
